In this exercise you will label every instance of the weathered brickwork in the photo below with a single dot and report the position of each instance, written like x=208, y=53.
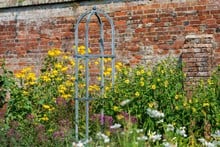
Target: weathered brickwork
x=146, y=31
x=197, y=54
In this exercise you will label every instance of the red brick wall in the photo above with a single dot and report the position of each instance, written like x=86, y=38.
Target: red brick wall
x=145, y=30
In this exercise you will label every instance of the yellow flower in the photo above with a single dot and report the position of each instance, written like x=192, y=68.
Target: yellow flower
x=31, y=76
x=58, y=79
x=46, y=106
x=68, y=83
x=61, y=89
x=25, y=93
x=176, y=107
x=19, y=75
x=118, y=66
x=149, y=73
x=153, y=86
x=51, y=53
x=119, y=117
x=99, y=78
x=45, y=118
x=57, y=52
x=138, y=73
x=72, y=62
x=96, y=63
x=26, y=69
x=127, y=81
x=108, y=133
x=109, y=69
x=66, y=96
x=65, y=57
x=141, y=83
x=176, y=96
x=151, y=104
x=45, y=78
x=51, y=109
x=142, y=71
x=64, y=69
x=205, y=104
x=82, y=50
x=58, y=65
x=54, y=73
x=32, y=83
x=50, y=130
x=166, y=83
x=81, y=67
x=137, y=94
x=193, y=109
x=54, y=52
x=116, y=108
x=210, y=82
x=105, y=60
x=158, y=80
x=109, y=59
x=106, y=73
x=107, y=88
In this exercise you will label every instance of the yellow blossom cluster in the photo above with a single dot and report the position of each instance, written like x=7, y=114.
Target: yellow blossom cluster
x=27, y=76
x=94, y=88
x=82, y=50
x=54, y=52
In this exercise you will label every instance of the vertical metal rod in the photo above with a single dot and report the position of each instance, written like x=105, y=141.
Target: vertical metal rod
x=87, y=73
x=76, y=85
x=77, y=77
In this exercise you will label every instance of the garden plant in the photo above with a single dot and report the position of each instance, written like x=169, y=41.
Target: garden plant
x=146, y=106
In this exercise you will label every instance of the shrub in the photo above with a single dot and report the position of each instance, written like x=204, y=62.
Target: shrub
x=146, y=106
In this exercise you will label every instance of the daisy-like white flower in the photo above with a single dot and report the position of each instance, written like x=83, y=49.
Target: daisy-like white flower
x=206, y=143
x=155, y=113
x=115, y=126
x=181, y=131
x=104, y=137
x=170, y=127
x=216, y=134
x=123, y=103
x=154, y=137
x=79, y=144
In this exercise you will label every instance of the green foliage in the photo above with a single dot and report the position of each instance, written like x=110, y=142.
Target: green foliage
x=145, y=107
x=6, y=84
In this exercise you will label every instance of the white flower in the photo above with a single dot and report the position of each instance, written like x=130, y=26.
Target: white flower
x=166, y=144
x=104, y=137
x=156, y=137
x=207, y=144
x=160, y=121
x=106, y=140
x=181, y=131
x=153, y=136
x=154, y=113
x=115, y=126
x=216, y=134
x=142, y=138
x=170, y=127
x=79, y=144
x=125, y=102
x=139, y=130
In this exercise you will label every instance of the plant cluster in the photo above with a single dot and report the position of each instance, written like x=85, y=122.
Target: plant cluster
x=146, y=106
